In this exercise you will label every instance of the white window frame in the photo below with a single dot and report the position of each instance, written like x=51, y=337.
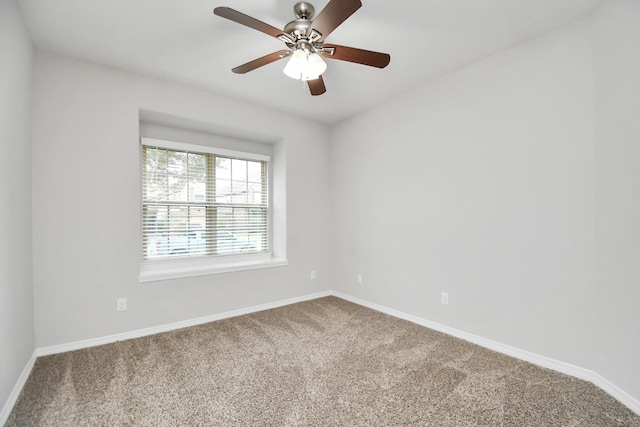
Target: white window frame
x=154, y=270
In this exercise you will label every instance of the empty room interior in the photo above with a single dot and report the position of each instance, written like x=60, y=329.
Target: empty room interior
x=473, y=173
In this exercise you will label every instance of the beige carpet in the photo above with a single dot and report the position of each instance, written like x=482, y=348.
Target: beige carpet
x=326, y=362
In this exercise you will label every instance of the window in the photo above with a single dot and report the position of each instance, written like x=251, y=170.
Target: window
x=201, y=202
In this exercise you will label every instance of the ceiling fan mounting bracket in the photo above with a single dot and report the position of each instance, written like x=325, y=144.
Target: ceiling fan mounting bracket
x=315, y=35
x=285, y=38
x=328, y=51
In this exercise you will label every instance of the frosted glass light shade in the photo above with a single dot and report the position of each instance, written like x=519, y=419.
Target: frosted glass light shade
x=315, y=66
x=296, y=64
x=304, y=66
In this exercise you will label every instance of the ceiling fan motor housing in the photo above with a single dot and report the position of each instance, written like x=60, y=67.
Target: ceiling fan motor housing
x=297, y=28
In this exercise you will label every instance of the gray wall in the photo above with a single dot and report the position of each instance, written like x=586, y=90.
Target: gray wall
x=616, y=309
x=16, y=296
x=513, y=185
x=86, y=213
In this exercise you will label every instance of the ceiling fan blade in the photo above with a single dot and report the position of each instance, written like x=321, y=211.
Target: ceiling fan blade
x=359, y=56
x=248, y=21
x=316, y=86
x=256, y=63
x=333, y=14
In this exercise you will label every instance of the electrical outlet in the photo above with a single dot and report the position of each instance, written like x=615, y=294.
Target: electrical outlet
x=359, y=278
x=314, y=275
x=121, y=304
x=444, y=298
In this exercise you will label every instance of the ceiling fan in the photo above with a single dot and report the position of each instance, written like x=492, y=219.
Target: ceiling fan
x=304, y=38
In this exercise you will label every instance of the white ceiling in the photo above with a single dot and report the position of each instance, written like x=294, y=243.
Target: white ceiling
x=184, y=41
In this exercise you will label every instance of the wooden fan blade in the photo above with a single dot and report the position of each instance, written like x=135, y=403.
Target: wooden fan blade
x=333, y=14
x=256, y=63
x=248, y=21
x=359, y=56
x=316, y=86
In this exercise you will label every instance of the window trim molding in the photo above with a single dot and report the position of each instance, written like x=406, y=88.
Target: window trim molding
x=183, y=146
x=153, y=271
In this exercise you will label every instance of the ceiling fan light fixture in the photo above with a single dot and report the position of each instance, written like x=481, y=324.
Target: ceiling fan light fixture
x=304, y=66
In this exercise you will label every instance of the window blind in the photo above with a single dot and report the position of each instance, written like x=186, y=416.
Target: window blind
x=199, y=201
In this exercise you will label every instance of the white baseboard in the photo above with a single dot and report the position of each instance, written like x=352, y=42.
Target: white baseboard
x=77, y=345
x=17, y=388
x=543, y=361
x=546, y=362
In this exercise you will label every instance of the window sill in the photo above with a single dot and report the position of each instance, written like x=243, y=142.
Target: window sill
x=153, y=271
